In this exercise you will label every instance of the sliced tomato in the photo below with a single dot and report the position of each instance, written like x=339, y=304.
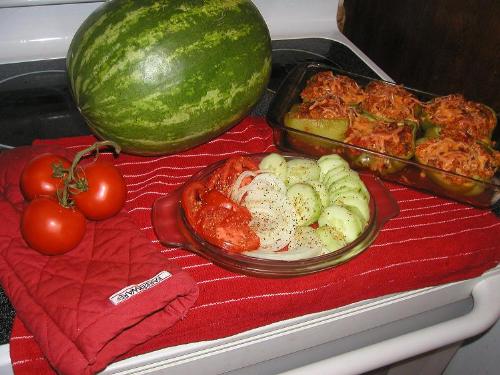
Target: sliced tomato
x=227, y=229
x=191, y=200
x=214, y=216
x=216, y=198
x=223, y=178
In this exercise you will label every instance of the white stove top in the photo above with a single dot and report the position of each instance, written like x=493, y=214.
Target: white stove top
x=42, y=29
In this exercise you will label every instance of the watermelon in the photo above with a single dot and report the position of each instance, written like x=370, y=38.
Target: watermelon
x=159, y=77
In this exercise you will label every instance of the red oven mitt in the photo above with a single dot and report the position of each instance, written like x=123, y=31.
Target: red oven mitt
x=65, y=300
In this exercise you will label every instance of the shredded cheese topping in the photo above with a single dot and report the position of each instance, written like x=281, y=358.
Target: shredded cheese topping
x=468, y=159
x=327, y=84
x=460, y=118
x=463, y=125
x=395, y=139
x=330, y=107
x=390, y=102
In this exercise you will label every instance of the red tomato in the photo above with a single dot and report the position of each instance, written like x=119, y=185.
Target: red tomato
x=214, y=216
x=226, y=229
x=37, y=177
x=218, y=219
x=191, y=200
x=106, y=191
x=51, y=228
x=216, y=198
x=223, y=178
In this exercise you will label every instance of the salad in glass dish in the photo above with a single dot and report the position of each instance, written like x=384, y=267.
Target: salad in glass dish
x=275, y=215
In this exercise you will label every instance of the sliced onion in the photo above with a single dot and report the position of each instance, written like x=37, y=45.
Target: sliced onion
x=304, y=244
x=259, y=198
x=262, y=181
x=274, y=223
x=236, y=187
x=264, y=187
x=267, y=181
x=273, y=217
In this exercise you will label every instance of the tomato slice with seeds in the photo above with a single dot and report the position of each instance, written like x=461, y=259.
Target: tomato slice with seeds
x=214, y=216
x=191, y=200
x=224, y=177
x=227, y=229
x=216, y=198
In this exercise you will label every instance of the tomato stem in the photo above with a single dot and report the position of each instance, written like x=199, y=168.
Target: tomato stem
x=71, y=180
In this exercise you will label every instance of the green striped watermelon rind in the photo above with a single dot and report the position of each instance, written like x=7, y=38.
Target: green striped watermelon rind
x=159, y=77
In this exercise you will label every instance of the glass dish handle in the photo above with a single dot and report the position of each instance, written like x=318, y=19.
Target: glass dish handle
x=164, y=216
x=387, y=206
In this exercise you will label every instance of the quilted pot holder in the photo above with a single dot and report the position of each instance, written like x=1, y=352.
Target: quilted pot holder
x=96, y=302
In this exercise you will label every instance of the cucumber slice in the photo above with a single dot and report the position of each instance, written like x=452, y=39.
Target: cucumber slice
x=302, y=170
x=331, y=238
x=276, y=164
x=322, y=192
x=343, y=191
x=329, y=162
x=306, y=202
x=350, y=181
x=356, y=203
x=335, y=175
x=343, y=220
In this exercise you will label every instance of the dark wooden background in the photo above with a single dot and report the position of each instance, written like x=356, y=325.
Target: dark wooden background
x=440, y=46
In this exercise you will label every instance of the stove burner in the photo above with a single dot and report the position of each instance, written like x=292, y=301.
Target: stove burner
x=284, y=60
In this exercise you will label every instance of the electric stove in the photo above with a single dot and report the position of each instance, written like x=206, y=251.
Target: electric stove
x=35, y=103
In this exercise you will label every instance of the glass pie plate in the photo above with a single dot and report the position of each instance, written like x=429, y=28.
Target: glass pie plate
x=173, y=230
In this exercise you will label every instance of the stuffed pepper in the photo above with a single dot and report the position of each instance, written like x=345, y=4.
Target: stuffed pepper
x=328, y=102
x=470, y=159
x=391, y=103
x=456, y=117
x=328, y=84
x=390, y=138
x=327, y=117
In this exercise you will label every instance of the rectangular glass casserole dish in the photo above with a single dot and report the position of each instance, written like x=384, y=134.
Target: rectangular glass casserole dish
x=404, y=170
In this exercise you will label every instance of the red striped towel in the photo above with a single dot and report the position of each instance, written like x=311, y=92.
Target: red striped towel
x=433, y=241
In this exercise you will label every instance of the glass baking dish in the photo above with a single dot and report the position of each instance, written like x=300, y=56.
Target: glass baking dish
x=411, y=173
x=173, y=230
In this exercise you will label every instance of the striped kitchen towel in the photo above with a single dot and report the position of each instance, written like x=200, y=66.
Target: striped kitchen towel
x=432, y=241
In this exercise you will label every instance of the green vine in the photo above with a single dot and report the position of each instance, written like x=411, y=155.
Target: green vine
x=72, y=183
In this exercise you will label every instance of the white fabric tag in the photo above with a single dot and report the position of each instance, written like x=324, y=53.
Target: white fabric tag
x=131, y=290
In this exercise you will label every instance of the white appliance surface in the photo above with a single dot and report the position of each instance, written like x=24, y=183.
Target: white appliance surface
x=43, y=32
x=352, y=339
